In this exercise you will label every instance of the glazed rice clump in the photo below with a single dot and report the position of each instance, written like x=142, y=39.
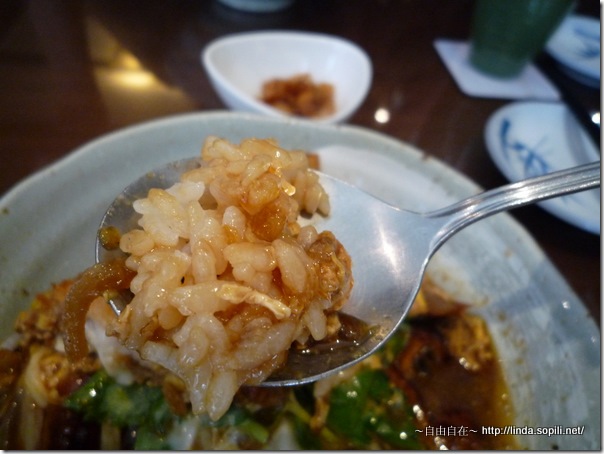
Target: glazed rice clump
x=227, y=279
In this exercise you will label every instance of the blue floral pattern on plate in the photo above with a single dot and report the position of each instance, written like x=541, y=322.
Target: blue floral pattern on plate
x=575, y=45
x=534, y=163
x=532, y=157
x=590, y=43
x=530, y=138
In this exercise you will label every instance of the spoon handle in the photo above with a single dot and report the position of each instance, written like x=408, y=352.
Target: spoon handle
x=514, y=195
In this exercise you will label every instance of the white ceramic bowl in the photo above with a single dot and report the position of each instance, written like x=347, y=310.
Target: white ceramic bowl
x=548, y=345
x=239, y=64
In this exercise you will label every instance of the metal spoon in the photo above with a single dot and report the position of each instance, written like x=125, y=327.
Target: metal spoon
x=390, y=249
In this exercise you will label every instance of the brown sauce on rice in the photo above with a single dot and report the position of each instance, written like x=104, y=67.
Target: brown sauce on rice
x=224, y=282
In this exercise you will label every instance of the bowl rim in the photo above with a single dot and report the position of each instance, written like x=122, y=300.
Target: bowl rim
x=216, y=76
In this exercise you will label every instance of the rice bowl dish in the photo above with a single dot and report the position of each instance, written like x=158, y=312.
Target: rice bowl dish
x=510, y=255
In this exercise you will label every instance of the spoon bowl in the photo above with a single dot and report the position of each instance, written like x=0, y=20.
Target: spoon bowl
x=390, y=249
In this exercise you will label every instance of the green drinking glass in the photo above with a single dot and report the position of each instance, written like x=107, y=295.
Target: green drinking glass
x=507, y=34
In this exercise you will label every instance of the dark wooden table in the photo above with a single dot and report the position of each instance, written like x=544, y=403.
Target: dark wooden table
x=64, y=64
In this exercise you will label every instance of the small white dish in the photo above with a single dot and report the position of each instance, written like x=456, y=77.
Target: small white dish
x=576, y=46
x=238, y=65
x=527, y=139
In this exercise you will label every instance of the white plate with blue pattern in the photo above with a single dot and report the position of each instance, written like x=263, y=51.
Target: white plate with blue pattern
x=576, y=46
x=527, y=139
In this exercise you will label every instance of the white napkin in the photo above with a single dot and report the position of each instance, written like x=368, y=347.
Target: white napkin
x=530, y=84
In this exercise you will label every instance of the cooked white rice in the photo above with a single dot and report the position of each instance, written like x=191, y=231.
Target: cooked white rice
x=226, y=278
